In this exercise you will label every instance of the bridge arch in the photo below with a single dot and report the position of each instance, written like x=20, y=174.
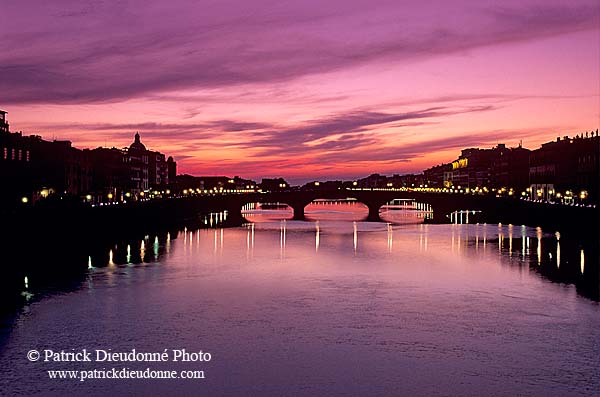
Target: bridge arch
x=267, y=210
x=440, y=204
x=346, y=208
x=406, y=210
x=295, y=202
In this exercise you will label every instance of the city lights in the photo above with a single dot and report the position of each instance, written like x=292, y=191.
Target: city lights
x=475, y=172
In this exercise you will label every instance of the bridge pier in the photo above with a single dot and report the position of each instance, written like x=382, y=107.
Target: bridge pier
x=298, y=212
x=235, y=217
x=373, y=213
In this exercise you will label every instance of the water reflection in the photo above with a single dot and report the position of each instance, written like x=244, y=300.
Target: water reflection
x=562, y=258
x=339, y=210
x=142, y=251
x=462, y=216
x=317, y=236
x=538, y=231
x=355, y=236
x=510, y=239
x=167, y=245
x=266, y=212
x=472, y=297
x=397, y=211
x=554, y=256
x=282, y=238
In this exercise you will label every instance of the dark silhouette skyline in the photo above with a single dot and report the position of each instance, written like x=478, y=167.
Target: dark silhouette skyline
x=565, y=171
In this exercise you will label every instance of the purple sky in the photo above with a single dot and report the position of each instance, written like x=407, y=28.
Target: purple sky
x=304, y=89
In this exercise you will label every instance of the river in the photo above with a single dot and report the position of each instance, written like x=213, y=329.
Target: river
x=327, y=306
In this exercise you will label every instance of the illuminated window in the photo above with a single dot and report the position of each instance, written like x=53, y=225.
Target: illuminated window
x=20, y=155
x=5, y=154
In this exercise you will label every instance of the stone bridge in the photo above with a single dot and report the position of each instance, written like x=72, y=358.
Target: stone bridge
x=441, y=203
x=173, y=212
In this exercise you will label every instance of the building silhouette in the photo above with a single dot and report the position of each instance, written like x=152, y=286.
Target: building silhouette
x=198, y=184
x=171, y=171
x=158, y=174
x=274, y=184
x=137, y=157
x=510, y=168
x=566, y=169
x=3, y=122
x=32, y=168
x=495, y=168
x=438, y=176
x=111, y=173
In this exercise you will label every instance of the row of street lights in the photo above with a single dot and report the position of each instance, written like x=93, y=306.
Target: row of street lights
x=567, y=197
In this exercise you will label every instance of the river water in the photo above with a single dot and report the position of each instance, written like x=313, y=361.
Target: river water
x=328, y=306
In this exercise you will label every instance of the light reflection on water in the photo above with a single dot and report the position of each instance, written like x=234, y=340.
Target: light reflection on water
x=333, y=307
x=336, y=210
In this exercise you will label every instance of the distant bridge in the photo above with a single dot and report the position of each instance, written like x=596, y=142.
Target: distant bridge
x=372, y=199
x=492, y=208
x=177, y=211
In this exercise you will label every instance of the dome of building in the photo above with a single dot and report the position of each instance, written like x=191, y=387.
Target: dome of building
x=137, y=144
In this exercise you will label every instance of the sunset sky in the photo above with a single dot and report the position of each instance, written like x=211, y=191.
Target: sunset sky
x=302, y=89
